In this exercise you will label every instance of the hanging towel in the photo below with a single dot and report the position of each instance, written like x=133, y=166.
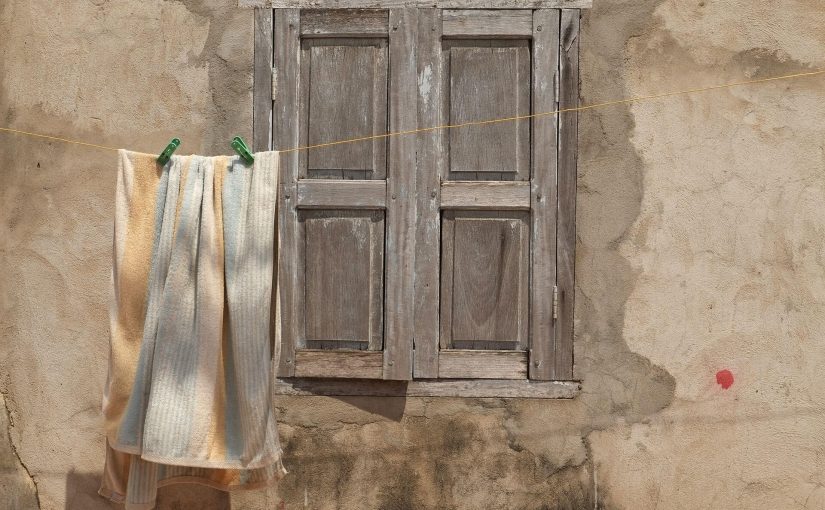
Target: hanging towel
x=188, y=393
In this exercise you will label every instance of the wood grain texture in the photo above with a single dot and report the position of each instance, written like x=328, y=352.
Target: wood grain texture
x=286, y=26
x=428, y=227
x=487, y=79
x=346, y=364
x=568, y=148
x=401, y=204
x=344, y=22
x=485, y=195
x=487, y=23
x=484, y=280
x=444, y=4
x=445, y=322
x=472, y=364
x=344, y=269
x=345, y=96
x=461, y=388
x=262, y=82
x=338, y=194
x=543, y=195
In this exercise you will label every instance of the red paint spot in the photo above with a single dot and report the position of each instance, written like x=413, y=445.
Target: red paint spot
x=724, y=378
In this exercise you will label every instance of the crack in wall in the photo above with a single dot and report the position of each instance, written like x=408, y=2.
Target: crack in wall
x=10, y=425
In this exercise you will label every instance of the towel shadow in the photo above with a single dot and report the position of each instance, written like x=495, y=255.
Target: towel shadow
x=81, y=494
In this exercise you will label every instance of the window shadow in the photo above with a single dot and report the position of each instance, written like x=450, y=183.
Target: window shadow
x=386, y=398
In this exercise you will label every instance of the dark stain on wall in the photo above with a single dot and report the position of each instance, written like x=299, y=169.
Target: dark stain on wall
x=402, y=492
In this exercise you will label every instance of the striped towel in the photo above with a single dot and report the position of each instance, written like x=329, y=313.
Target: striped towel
x=188, y=393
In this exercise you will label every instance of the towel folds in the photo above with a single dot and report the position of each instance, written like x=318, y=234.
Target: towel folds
x=188, y=394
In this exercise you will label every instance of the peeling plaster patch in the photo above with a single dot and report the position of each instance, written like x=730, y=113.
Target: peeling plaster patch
x=724, y=230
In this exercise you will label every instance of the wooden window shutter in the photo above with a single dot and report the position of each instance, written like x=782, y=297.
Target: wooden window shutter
x=492, y=197
x=346, y=223
x=443, y=255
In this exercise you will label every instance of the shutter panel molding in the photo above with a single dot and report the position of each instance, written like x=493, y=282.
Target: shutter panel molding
x=443, y=259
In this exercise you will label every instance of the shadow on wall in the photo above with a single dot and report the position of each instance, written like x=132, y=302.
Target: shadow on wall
x=389, y=408
x=81, y=494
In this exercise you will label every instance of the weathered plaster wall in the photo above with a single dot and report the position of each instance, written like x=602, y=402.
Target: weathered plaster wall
x=701, y=247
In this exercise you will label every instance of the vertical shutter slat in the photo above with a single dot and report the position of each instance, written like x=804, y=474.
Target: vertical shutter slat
x=568, y=135
x=401, y=215
x=286, y=26
x=428, y=194
x=543, y=194
x=262, y=82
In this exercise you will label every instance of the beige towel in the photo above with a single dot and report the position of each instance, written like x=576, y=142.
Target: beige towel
x=188, y=395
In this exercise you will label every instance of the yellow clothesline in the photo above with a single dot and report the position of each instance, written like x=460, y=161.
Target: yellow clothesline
x=473, y=123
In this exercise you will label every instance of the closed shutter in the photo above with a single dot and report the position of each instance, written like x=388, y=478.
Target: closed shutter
x=341, y=74
x=441, y=254
x=486, y=246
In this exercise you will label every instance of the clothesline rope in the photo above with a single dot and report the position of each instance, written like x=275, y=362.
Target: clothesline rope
x=473, y=123
x=554, y=112
x=57, y=138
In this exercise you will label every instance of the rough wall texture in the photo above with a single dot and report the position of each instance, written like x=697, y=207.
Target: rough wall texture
x=701, y=224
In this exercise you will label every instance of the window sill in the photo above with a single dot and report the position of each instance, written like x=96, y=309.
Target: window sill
x=464, y=388
x=446, y=4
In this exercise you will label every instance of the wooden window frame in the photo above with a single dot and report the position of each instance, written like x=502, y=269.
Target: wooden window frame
x=405, y=366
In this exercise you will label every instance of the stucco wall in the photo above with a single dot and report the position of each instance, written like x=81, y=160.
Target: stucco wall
x=701, y=226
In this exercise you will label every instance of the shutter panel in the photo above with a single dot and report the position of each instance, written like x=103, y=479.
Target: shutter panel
x=334, y=74
x=492, y=204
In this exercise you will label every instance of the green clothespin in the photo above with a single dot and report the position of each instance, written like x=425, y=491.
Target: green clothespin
x=243, y=151
x=167, y=152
